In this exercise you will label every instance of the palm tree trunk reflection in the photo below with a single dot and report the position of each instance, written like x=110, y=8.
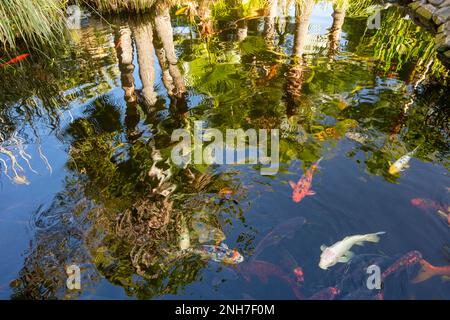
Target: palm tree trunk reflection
x=336, y=27
x=143, y=36
x=295, y=74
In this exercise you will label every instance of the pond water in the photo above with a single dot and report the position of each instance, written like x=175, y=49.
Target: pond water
x=87, y=177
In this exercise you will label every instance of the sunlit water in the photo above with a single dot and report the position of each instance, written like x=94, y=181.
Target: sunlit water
x=92, y=202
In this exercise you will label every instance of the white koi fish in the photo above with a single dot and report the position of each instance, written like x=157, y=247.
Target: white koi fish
x=402, y=163
x=340, y=251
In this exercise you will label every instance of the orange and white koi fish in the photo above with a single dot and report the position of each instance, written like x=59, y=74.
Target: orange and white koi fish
x=428, y=271
x=14, y=60
x=303, y=186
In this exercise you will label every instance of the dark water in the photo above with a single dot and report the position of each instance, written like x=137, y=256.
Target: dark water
x=94, y=125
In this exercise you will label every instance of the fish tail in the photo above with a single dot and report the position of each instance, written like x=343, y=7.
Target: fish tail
x=374, y=237
x=426, y=272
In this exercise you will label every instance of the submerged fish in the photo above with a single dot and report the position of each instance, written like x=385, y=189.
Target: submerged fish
x=406, y=260
x=426, y=204
x=264, y=270
x=286, y=229
x=291, y=264
x=428, y=271
x=14, y=60
x=402, y=163
x=303, y=186
x=340, y=251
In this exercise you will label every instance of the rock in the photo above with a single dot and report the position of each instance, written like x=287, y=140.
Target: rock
x=444, y=27
x=442, y=15
x=446, y=3
x=435, y=2
x=425, y=12
x=442, y=42
x=414, y=6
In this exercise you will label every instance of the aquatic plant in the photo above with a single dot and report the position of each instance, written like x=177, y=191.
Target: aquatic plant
x=36, y=22
x=115, y=6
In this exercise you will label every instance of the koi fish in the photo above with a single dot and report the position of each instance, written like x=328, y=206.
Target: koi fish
x=329, y=293
x=428, y=271
x=283, y=230
x=428, y=204
x=406, y=260
x=264, y=270
x=219, y=253
x=226, y=191
x=402, y=163
x=340, y=251
x=14, y=60
x=303, y=186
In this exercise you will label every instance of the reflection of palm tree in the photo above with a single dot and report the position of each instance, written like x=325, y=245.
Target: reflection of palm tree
x=295, y=74
x=336, y=27
x=205, y=14
x=269, y=22
x=164, y=35
x=143, y=35
x=124, y=49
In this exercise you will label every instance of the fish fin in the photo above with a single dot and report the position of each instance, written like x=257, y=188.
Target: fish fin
x=426, y=272
x=349, y=255
x=323, y=247
x=360, y=243
x=344, y=259
x=311, y=193
x=373, y=237
x=292, y=184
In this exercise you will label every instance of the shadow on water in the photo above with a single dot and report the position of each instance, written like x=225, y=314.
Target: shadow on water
x=115, y=93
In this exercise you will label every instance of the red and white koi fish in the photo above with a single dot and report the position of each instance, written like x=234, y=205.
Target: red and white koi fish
x=406, y=260
x=428, y=271
x=303, y=186
x=426, y=204
x=14, y=60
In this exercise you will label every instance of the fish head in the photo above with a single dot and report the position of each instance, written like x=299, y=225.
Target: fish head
x=394, y=169
x=327, y=259
x=299, y=274
x=232, y=257
x=417, y=202
x=297, y=196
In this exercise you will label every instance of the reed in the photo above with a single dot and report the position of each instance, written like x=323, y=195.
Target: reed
x=36, y=22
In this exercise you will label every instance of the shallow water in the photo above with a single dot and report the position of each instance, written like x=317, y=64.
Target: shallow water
x=94, y=126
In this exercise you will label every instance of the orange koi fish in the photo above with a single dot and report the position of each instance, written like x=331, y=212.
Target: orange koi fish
x=14, y=60
x=428, y=271
x=303, y=186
